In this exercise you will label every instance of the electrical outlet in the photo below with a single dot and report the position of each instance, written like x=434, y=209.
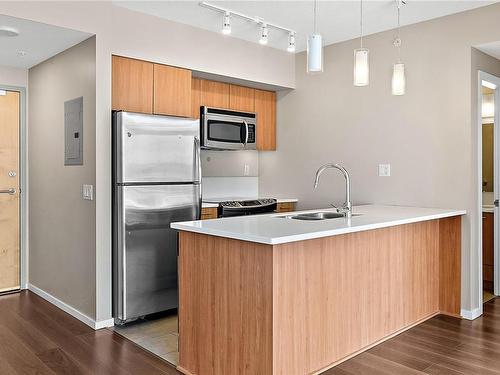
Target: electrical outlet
x=88, y=192
x=246, y=170
x=384, y=170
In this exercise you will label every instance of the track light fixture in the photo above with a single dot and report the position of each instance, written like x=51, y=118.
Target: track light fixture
x=264, y=25
x=291, y=42
x=264, y=34
x=226, y=24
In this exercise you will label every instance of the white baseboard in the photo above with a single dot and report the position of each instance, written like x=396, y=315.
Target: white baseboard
x=71, y=310
x=471, y=314
x=104, y=323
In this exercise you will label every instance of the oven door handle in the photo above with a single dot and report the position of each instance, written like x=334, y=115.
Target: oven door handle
x=246, y=133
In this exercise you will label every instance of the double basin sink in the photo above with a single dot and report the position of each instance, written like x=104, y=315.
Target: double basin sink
x=319, y=215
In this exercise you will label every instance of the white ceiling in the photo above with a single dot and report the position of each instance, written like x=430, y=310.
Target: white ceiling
x=492, y=49
x=38, y=40
x=337, y=20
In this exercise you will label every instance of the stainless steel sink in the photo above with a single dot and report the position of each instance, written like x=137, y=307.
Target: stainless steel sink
x=315, y=216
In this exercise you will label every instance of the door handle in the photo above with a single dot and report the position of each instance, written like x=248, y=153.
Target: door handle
x=10, y=191
x=246, y=132
x=495, y=203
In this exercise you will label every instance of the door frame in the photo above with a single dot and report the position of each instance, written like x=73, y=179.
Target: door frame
x=483, y=76
x=23, y=203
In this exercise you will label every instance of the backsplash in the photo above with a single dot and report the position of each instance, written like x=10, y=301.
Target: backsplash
x=230, y=163
x=230, y=174
x=230, y=187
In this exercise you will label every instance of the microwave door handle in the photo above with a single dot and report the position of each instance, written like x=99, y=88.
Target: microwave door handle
x=246, y=132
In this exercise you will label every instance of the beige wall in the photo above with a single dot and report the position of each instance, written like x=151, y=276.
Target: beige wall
x=62, y=233
x=426, y=135
x=10, y=76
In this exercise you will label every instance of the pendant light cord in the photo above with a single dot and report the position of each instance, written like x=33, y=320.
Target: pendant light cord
x=361, y=22
x=314, y=16
x=399, y=31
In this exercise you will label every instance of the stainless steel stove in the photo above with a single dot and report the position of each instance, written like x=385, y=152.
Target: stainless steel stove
x=240, y=207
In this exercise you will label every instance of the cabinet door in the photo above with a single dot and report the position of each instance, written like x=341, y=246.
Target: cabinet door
x=172, y=91
x=132, y=85
x=488, y=238
x=214, y=94
x=195, y=97
x=265, y=107
x=241, y=98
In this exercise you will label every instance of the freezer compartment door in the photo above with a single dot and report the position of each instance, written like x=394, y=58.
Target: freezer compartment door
x=151, y=148
x=145, y=256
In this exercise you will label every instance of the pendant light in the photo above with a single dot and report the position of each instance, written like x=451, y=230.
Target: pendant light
x=398, y=69
x=361, y=56
x=314, y=49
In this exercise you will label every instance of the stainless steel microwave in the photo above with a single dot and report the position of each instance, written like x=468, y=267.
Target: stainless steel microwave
x=223, y=129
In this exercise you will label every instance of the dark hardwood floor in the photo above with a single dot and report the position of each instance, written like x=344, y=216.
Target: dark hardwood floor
x=38, y=338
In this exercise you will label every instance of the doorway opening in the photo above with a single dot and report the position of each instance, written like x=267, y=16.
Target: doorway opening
x=490, y=185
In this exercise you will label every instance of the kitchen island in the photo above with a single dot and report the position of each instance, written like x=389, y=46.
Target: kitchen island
x=269, y=294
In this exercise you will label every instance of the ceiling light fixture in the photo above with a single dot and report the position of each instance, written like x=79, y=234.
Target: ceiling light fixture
x=226, y=24
x=8, y=31
x=488, y=84
x=314, y=48
x=398, y=69
x=264, y=25
x=291, y=42
x=361, y=56
x=264, y=34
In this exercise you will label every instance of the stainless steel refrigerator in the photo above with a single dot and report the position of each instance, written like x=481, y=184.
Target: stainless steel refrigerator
x=157, y=180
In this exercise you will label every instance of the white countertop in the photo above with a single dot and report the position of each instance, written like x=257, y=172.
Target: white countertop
x=273, y=229
x=280, y=200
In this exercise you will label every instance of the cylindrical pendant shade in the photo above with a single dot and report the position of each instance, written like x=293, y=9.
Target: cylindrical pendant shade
x=361, y=67
x=314, y=53
x=398, y=79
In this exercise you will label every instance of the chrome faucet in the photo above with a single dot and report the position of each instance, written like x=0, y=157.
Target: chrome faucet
x=346, y=208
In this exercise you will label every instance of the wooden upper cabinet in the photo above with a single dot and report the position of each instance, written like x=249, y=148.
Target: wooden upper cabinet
x=265, y=108
x=172, y=91
x=195, y=97
x=214, y=94
x=241, y=98
x=132, y=85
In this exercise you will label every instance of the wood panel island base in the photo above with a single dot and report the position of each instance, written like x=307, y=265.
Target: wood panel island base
x=301, y=307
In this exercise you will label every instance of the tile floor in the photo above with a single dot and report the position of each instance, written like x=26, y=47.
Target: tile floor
x=158, y=334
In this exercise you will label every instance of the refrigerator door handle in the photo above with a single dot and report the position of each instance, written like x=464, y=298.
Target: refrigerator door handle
x=197, y=151
x=197, y=156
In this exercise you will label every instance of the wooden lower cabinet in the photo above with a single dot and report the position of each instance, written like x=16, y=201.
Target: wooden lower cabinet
x=300, y=308
x=488, y=250
x=286, y=207
x=208, y=213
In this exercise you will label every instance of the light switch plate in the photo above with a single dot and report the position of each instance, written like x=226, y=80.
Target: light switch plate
x=384, y=170
x=246, y=170
x=88, y=192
